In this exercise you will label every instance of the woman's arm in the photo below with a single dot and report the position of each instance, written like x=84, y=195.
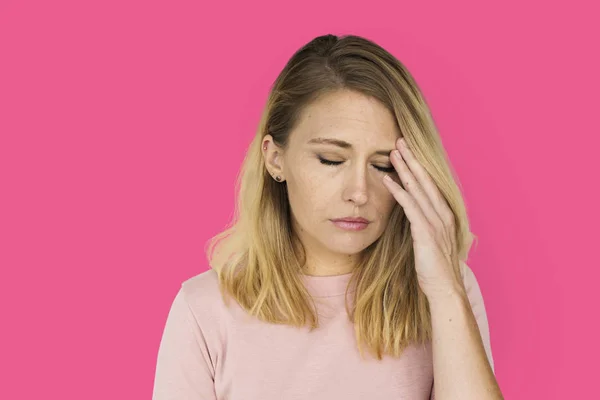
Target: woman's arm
x=462, y=360
x=184, y=369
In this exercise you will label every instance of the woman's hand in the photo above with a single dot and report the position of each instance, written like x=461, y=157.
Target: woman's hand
x=431, y=222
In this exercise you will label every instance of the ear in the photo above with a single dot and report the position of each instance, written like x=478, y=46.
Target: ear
x=273, y=156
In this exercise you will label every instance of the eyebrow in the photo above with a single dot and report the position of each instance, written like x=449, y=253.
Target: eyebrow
x=343, y=144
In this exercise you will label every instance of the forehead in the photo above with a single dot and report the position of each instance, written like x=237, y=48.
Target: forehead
x=349, y=116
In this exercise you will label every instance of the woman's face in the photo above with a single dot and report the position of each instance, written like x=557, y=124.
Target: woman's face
x=357, y=133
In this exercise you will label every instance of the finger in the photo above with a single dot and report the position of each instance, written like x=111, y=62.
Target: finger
x=422, y=176
x=444, y=218
x=418, y=222
x=412, y=185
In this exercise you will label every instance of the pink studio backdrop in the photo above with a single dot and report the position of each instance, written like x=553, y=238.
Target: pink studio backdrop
x=123, y=125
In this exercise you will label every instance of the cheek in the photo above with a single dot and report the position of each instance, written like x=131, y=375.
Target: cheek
x=308, y=173
x=385, y=202
x=309, y=193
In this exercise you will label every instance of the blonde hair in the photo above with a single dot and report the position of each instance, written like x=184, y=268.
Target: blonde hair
x=259, y=260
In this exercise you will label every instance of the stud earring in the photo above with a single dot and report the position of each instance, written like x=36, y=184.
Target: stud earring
x=278, y=178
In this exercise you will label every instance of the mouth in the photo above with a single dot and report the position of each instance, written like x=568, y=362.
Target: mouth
x=351, y=224
x=352, y=219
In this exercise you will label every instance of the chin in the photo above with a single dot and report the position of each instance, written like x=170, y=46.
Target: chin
x=348, y=245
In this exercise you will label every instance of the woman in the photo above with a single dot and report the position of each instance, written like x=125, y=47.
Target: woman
x=345, y=284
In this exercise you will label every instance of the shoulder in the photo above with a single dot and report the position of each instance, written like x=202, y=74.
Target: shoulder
x=201, y=289
x=474, y=293
x=202, y=295
x=204, y=285
x=475, y=296
x=469, y=280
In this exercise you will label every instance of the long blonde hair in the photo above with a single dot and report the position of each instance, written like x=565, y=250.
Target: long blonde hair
x=258, y=258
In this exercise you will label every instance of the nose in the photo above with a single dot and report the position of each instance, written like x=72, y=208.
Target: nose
x=356, y=188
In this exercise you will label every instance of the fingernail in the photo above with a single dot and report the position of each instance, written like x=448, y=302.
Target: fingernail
x=387, y=178
x=396, y=154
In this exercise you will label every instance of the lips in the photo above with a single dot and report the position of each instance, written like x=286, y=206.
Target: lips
x=352, y=220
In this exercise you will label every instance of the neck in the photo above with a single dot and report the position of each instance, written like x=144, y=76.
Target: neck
x=319, y=265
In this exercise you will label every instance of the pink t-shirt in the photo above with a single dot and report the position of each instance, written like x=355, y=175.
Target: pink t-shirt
x=210, y=352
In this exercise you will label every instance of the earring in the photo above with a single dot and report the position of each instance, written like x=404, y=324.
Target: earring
x=278, y=178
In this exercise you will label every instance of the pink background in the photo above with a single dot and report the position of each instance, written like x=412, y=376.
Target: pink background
x=123, y=125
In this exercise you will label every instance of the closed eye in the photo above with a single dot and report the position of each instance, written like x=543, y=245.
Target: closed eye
x=329, y=162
